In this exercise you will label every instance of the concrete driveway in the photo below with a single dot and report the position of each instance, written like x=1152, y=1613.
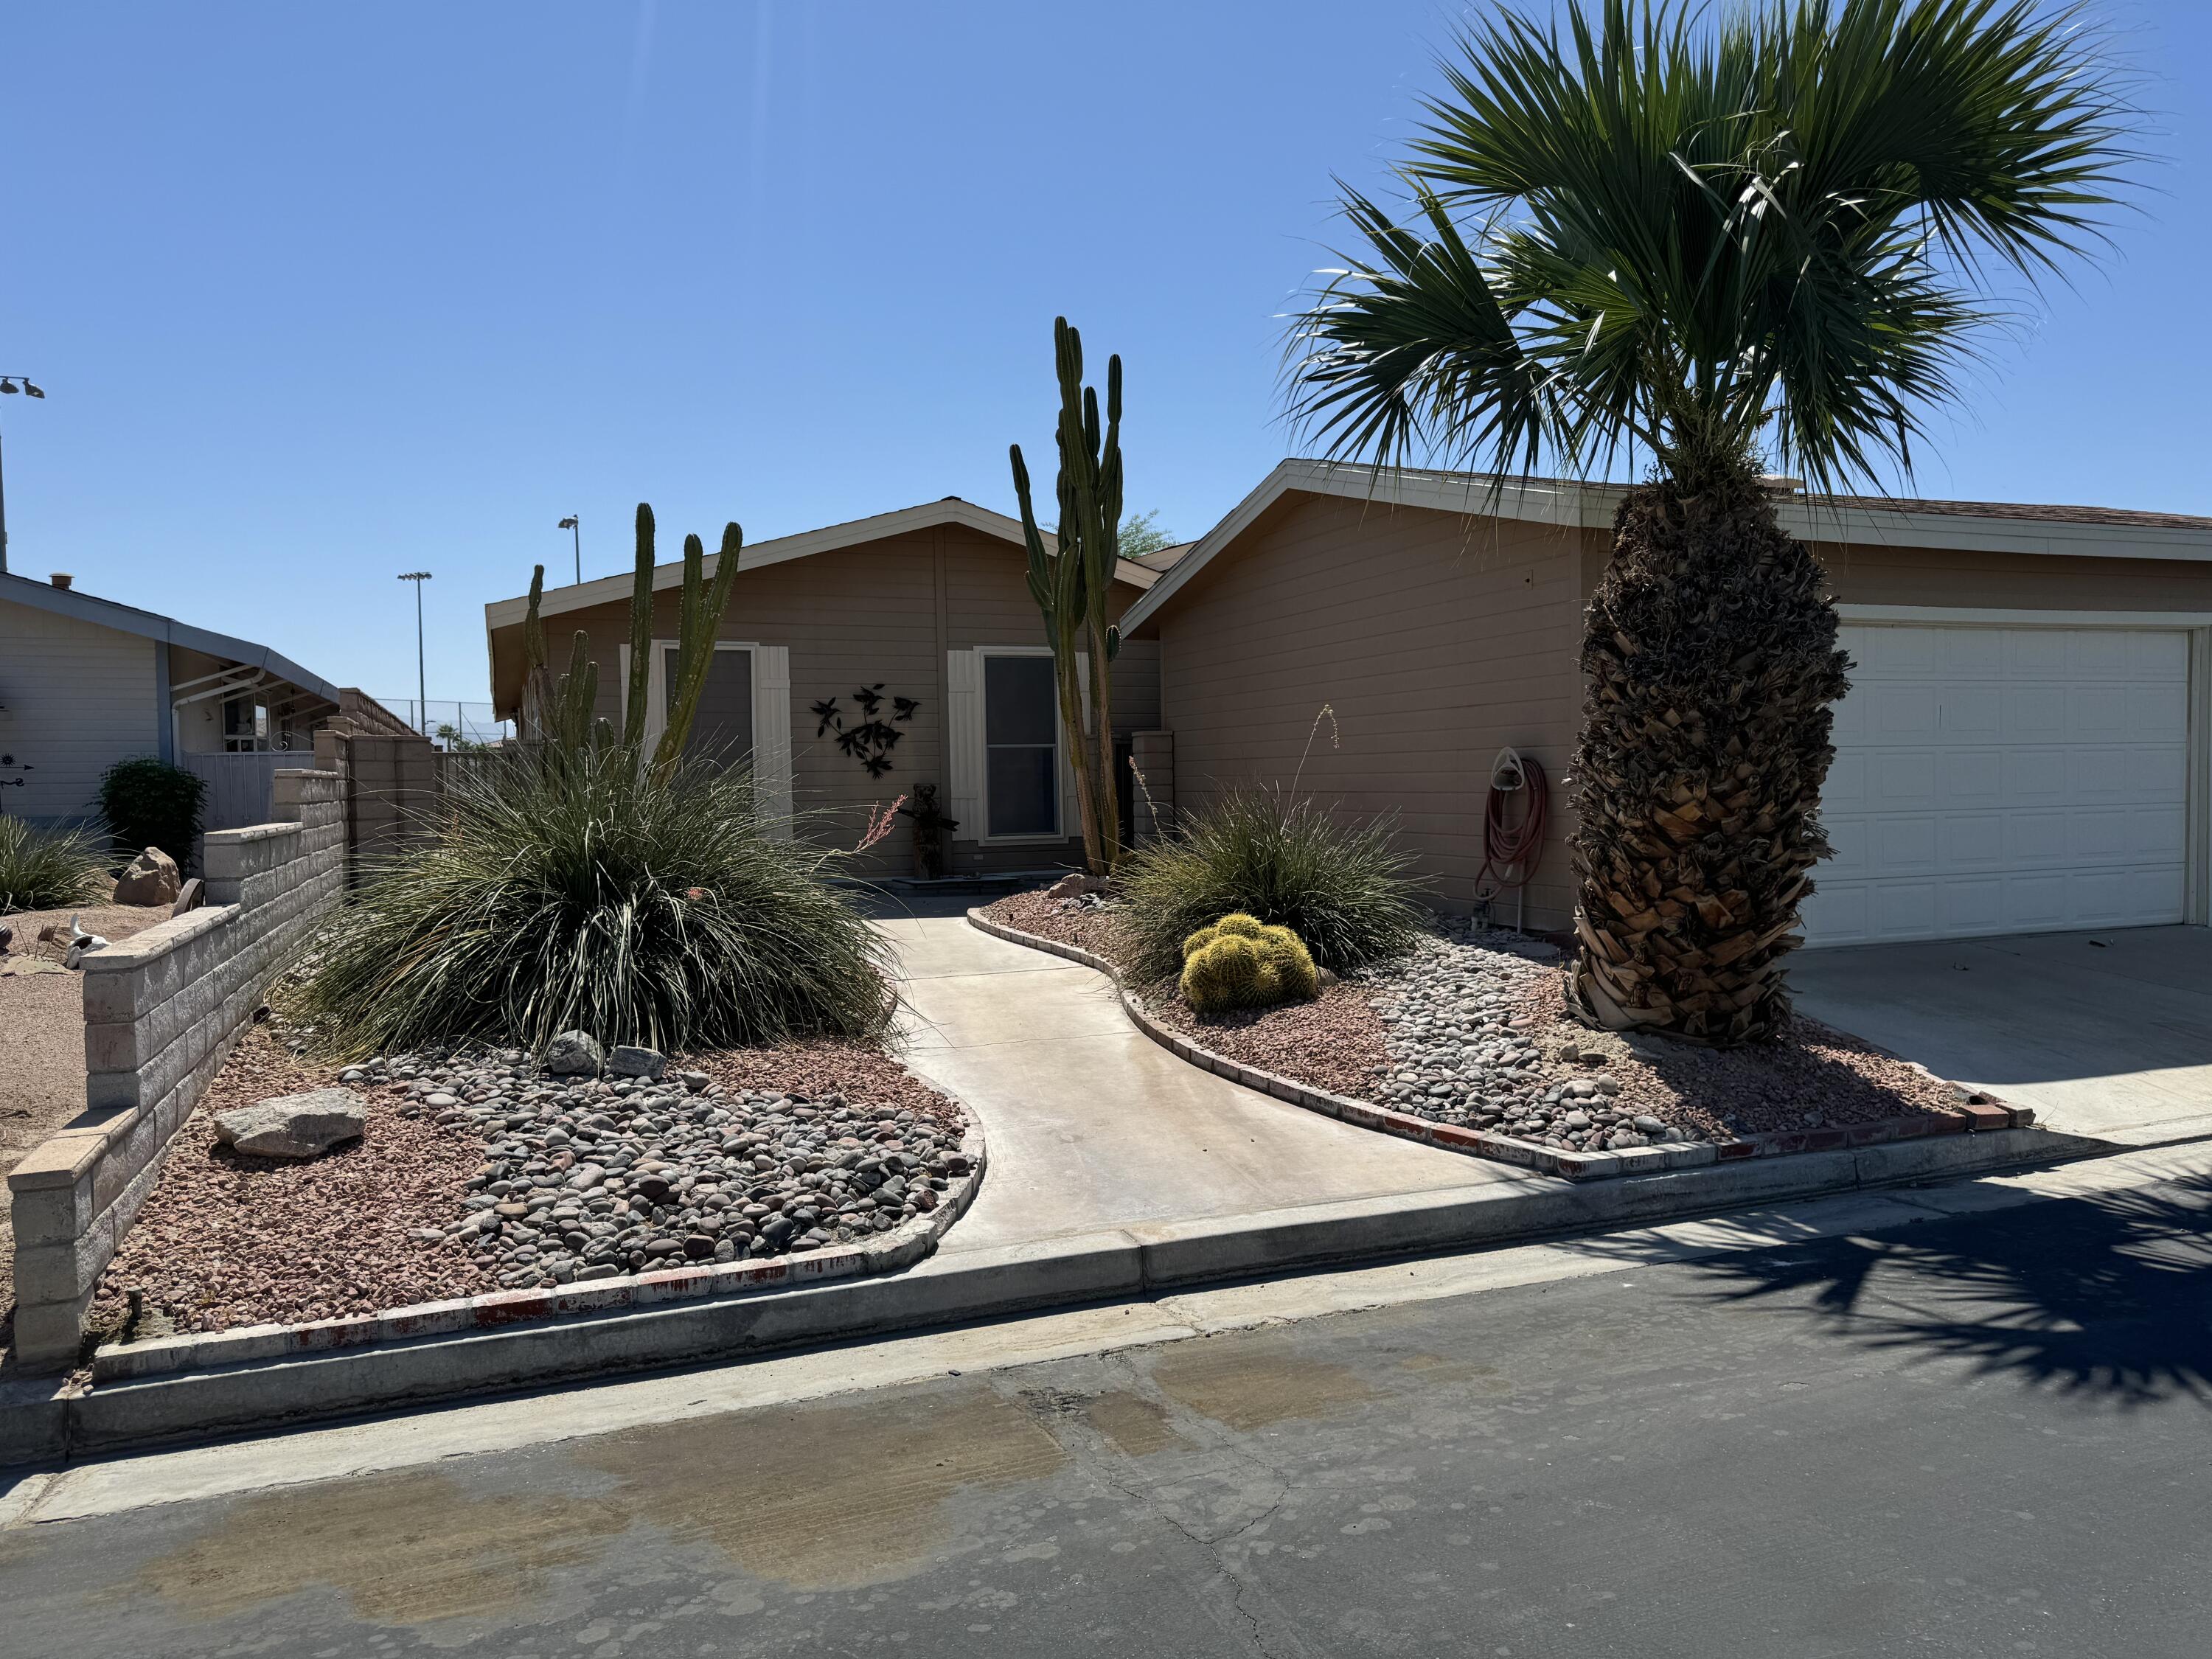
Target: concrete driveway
x=2105, y=1034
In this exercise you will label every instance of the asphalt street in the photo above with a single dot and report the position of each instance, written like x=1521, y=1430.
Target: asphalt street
x=1979, y=1437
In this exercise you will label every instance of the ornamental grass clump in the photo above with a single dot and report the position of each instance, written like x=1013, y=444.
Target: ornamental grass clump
x=1241, y=961
x=584, y=878
x=49, y=869
x=1345, y=890
x=574, y=890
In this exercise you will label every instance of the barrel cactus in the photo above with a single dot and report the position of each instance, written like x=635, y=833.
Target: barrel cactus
x=1240, y=962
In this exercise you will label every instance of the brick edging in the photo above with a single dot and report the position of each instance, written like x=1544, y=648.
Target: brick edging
x=1514, y=1148
x=886, y=1253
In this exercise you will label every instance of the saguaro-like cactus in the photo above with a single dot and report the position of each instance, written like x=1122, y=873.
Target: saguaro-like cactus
x=560, y=712
x=1071, y=581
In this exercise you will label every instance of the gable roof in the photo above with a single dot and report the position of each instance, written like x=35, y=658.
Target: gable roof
x=151, y=625
x=1864, y=521
x=608, y=590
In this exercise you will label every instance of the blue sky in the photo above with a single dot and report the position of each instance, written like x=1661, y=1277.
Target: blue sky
x=321, y=293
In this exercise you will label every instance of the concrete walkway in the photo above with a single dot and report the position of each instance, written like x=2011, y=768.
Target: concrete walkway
x=2107, y=1033
x=1092, y=1125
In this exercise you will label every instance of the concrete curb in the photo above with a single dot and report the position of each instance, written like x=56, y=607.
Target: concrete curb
x=951, y=1287
x=1512, y=1149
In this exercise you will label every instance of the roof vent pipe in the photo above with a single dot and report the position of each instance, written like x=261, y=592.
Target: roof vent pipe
x=61, y=579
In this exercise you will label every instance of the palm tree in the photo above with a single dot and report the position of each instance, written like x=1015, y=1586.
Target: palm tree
x=1710, y=241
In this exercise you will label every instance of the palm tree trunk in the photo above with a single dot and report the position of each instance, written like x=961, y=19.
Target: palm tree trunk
x=1710, y=663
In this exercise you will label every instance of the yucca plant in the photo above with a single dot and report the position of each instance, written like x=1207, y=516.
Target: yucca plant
x=1714, y=237
x=569, y=889
x=1346, y=890
x=43, y=869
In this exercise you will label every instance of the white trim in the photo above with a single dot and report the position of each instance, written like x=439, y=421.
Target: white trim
x=963, y=742
x=1965, y=616
x=1061, y=769
x=608, y=590
x=1591, y=506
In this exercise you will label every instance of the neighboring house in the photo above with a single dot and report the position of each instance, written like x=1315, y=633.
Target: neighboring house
x=930, y=604
x=85, y=682
x=2026, y=744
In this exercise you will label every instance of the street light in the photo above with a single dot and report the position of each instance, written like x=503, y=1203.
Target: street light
x=569, y=523
x=422, y=680
x=7, y=385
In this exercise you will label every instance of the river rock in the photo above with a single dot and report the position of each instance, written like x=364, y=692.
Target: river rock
x=575, y=1054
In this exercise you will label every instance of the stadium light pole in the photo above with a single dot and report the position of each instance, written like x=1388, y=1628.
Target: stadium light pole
x=571, y=523
x=7, y=385
x=422, y=678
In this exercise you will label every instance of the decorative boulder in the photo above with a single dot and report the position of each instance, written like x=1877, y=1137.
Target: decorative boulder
x=629, y=1061
x=1076, y=885
x=294, y=1125
x=151, y=878
x=576, y=1054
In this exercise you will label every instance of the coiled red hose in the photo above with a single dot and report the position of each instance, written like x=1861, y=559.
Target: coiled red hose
x=1507, y=845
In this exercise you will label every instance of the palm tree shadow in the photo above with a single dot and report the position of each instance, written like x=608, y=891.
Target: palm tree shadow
x=2107, y=1297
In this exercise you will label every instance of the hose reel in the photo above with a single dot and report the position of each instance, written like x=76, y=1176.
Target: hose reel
x=1513, y=821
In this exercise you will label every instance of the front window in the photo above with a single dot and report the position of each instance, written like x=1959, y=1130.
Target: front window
x=244, y=726
x=723, y=730
x=1021, y=739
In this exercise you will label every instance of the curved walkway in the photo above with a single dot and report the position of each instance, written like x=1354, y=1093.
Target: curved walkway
x=1091, y=1125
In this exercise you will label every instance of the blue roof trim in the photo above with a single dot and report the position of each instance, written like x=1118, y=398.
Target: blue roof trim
x=149, y=625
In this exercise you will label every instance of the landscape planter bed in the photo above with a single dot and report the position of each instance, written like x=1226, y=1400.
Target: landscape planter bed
x=429, y=1224
x=1971, y=1113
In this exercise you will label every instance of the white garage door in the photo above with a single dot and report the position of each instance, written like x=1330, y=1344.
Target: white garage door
x=2005, y=780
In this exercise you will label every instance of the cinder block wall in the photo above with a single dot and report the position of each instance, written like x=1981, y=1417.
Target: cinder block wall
x=394, y=786
x=161, y=1009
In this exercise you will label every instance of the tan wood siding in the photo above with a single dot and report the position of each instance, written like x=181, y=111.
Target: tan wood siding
x=1436, y=638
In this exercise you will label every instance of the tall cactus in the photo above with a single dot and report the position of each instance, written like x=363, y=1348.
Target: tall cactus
x=1071, y=583
x=560, y=712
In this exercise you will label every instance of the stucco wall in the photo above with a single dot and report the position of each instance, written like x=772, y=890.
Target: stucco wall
x=75, y=698
x=1436, y=638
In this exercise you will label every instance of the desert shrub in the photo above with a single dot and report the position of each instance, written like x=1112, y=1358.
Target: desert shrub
x=150, y=803
x=580, y=890
x=49, y=869
x=1344, y=889
x=1242, y=962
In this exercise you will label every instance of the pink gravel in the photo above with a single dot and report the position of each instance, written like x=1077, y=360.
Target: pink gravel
x=1333, y=1043
x=226, y=1240
x=1083, y=925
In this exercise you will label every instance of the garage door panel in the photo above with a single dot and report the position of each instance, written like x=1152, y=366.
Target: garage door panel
x=1902, y=780
x=1991, y=781
x=2156, y=711
x=1974, y=840
x=2035, y=714
x=1974, y=777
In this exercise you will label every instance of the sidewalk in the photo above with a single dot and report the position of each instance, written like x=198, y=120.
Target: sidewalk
x=1093, y=1126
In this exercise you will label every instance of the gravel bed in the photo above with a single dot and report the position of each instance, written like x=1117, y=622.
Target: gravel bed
x=480, y=1172
x=227, y=1240
x=1471, y=1029
x=1479, y=1035
x=1086, y=923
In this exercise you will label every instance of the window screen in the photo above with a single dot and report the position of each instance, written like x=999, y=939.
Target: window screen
x=723, y=732
x=1021, y=719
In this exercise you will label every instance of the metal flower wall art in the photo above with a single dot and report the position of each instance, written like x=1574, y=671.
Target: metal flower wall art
x=871, y=739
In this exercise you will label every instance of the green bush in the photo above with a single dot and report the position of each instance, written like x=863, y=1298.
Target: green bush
x=575, y=889
x=1241, y=961
x=49, y=869
x=1345, y=890
x=150, y=803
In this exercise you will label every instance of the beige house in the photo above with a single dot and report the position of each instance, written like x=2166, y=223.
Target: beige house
x=87, y=682
x=863, y=659
x=2025, y=747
